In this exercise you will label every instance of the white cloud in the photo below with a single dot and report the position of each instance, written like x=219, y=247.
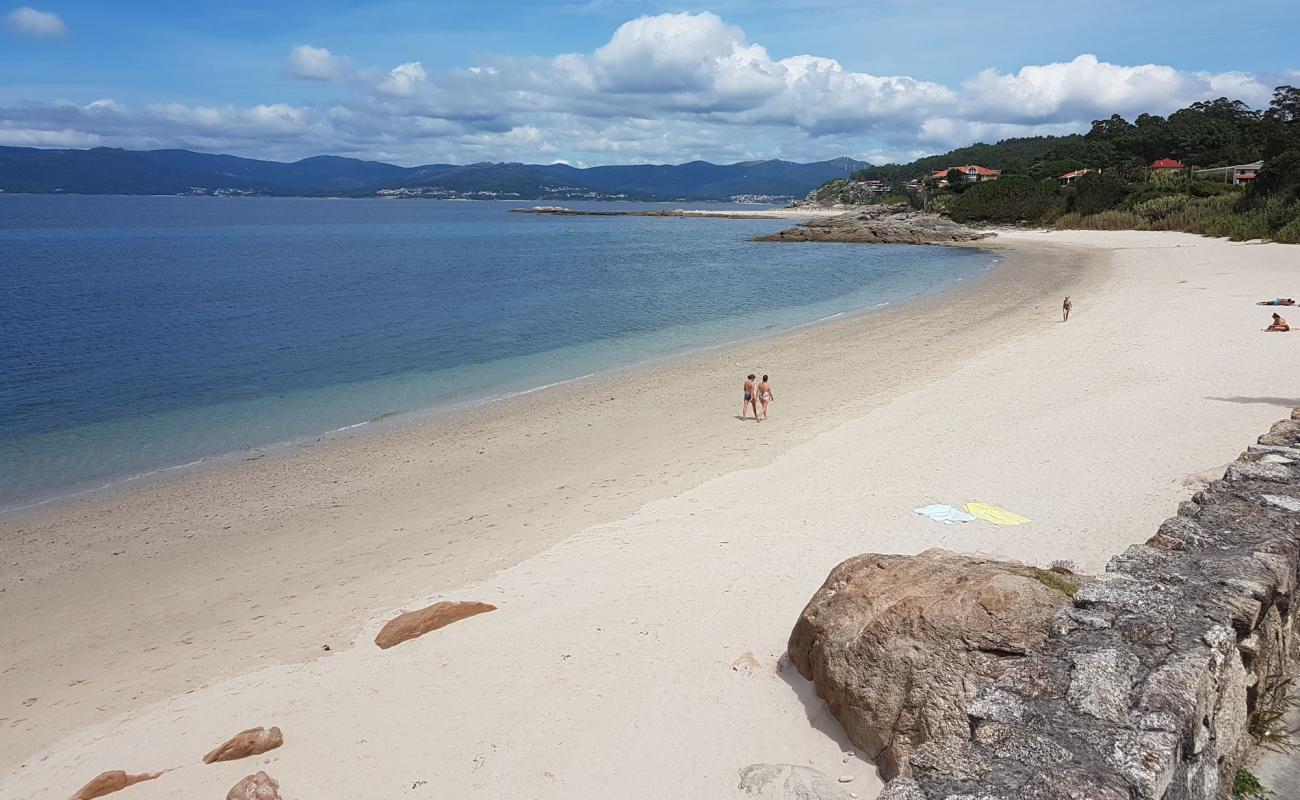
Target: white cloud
x=403, y=80
x=27, y=21
x=316, y=64
x=671, y=87
x=1087, y=87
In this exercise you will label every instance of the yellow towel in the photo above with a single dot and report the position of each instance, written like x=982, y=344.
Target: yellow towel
x=991, y=513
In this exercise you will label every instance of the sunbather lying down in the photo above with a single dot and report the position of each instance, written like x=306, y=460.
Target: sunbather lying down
x=1279, y=325
x=1277, y=301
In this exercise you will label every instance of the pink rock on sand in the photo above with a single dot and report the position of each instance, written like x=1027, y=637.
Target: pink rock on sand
x=114, y=780
x=413, y=624
x=251, y=742
x=255, y=787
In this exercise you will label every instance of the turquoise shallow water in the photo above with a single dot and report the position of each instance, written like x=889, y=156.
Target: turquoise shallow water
x=145, y=332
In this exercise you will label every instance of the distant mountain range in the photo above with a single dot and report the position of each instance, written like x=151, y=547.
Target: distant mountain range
x=104, y=170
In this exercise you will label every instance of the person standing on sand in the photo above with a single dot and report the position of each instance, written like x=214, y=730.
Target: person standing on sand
x=765, y=396
x=1065, y=309
x=751, y=399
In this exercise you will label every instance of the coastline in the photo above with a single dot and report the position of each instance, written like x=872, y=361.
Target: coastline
x=195, y=529
x=636, y=547
x=400, y=419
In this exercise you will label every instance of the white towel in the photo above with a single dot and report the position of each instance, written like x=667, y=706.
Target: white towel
x=945, y=514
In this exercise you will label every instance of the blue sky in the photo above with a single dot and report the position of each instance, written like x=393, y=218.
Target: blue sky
x=605, y=81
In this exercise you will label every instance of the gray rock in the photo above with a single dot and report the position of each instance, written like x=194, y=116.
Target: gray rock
x=1281, y=501
x=879, y=224
x=1255, y=471
x=1146, y=760
x=901, y=789
x=1101, y=682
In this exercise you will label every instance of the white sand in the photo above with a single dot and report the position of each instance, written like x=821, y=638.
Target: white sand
x=607, y=669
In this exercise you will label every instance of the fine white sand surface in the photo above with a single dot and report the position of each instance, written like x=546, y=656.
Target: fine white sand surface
x=636, y=536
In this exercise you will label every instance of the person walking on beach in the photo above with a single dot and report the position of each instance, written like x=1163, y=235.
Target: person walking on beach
x=765, y=396
x=1065, y=309
x=751, y=399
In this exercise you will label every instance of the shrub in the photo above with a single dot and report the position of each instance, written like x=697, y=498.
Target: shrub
x=1011, y=199
x=1068, y=221
x=1160, y=207
x=1097, y=192
x=1289, y=233
x=1111, y=221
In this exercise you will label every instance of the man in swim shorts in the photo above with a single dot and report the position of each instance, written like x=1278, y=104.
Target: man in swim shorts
x=751, y=398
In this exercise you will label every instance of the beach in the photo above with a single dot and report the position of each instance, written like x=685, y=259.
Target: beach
x=637, y=538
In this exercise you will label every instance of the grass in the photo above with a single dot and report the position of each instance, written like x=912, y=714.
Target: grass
x=1277, y=698
x=1245, y=786
x=1054, y=580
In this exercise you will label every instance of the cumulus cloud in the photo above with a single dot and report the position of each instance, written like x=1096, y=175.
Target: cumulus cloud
x=27, y=21
x=310, y=63
x=670, y=87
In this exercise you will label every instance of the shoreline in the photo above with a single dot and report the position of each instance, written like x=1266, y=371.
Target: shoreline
x=647, y=553
x=397, y=419
x=503, y=494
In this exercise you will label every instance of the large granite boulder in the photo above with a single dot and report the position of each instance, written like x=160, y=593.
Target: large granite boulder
x=899, y=646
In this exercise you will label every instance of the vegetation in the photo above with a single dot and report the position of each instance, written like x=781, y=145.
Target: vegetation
x=1277, y=698
x=1245, y=786
x=1122, y=192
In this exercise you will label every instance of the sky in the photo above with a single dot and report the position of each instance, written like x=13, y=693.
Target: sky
x=615, y=81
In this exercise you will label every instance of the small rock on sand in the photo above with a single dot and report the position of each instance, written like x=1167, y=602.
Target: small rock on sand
x=413, y=624
x=746, y=664
x=255, y=787
x=111, y=781
x=251, y=742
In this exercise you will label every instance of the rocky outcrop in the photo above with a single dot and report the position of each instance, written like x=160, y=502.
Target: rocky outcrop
x=259, y=786
x=900, y=646
x=114, y=780
x=1152, y=674
x=879, y=224
x=251, y=742
x=413, y=624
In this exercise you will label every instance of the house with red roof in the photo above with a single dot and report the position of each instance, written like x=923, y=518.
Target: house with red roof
x=1071, y=177
x=970, y=172
x=1163, y=164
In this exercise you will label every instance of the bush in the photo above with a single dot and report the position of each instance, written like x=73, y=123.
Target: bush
x=1068, y=221
x=1289, y=233
x=1097, y=192
x=1160, y=207
x=1112, y=221
x=1011, y=199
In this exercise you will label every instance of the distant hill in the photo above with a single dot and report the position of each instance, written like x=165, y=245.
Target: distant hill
x=103, y=170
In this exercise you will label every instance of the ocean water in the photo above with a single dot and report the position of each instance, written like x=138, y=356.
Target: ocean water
x=142, y=333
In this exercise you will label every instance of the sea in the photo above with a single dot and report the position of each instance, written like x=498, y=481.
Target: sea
x=140, y=335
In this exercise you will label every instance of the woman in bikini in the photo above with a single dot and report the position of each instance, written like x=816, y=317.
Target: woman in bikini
x=1065, y=309
x=765, y=396
x=751, y=399
x=1279, y=325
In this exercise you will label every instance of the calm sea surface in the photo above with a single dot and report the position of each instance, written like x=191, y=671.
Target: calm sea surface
x=138, y=333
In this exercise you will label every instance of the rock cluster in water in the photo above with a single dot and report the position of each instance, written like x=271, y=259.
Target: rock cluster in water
x=1143, y=685
x=879, y=224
